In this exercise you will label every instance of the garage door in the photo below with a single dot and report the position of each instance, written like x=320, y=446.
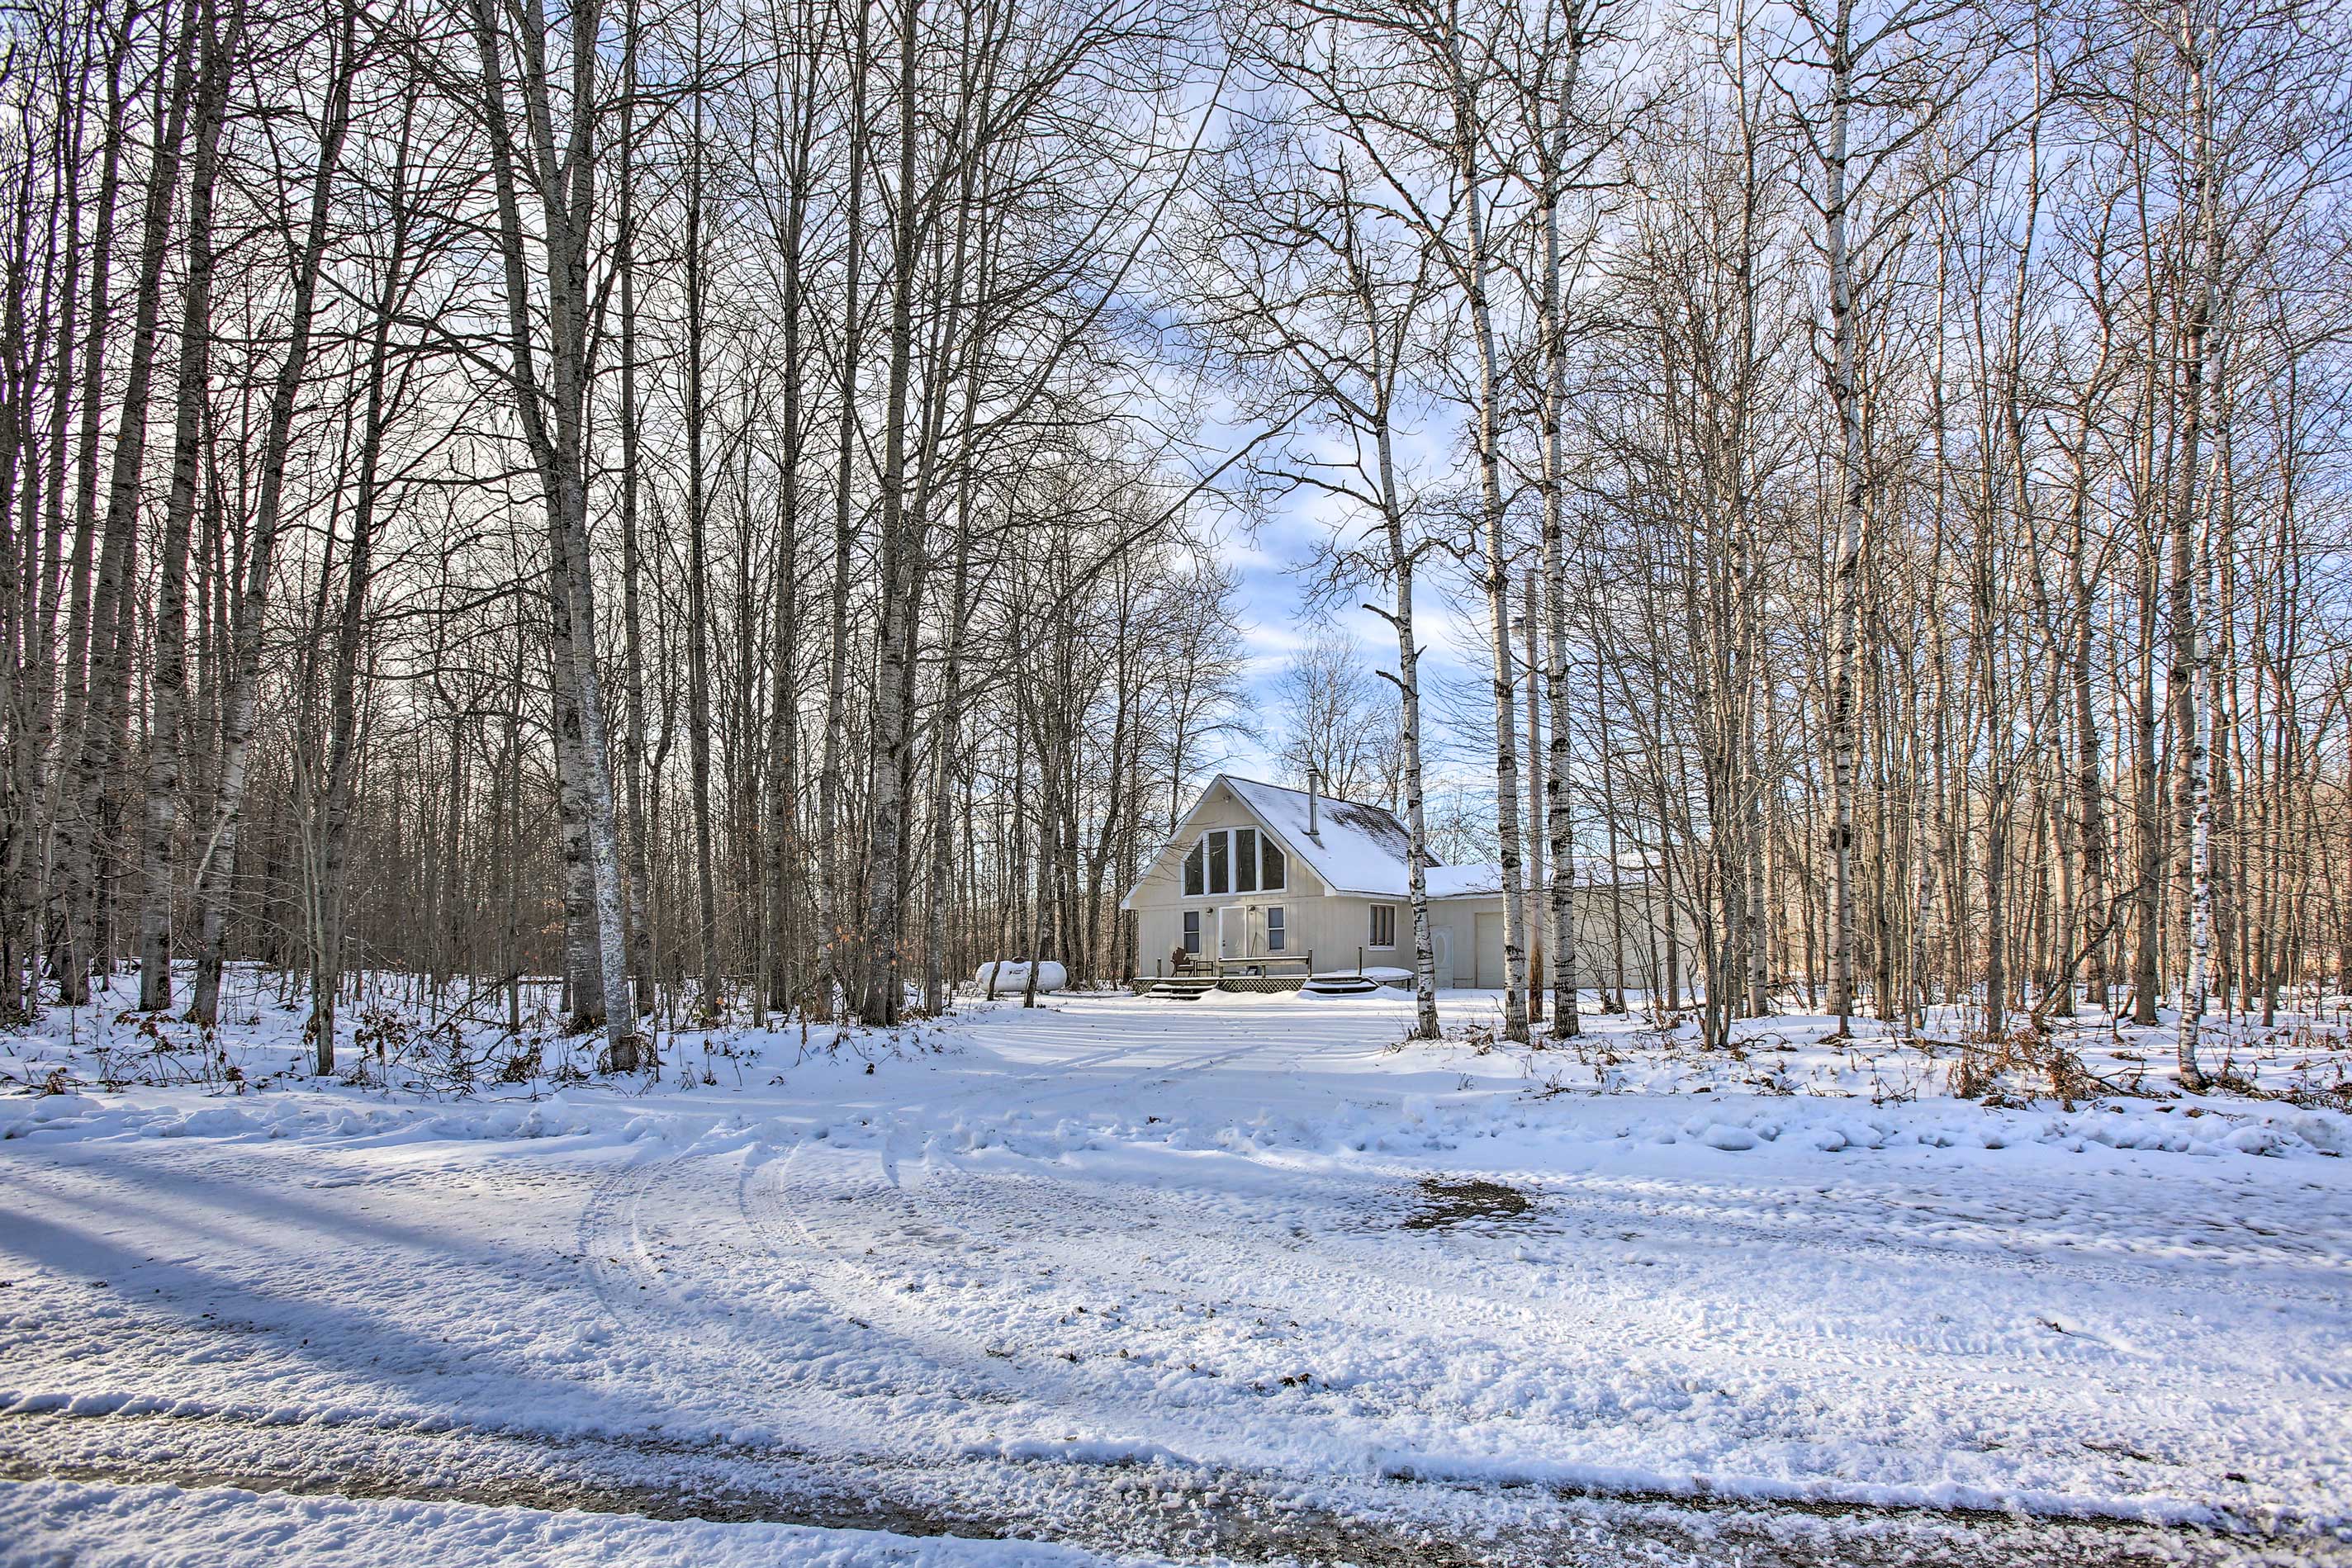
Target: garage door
x=1490, y=951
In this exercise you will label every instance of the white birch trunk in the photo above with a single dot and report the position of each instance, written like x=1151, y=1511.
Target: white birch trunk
x=1844, y=719
x=1498, y=580
x=1559, y=824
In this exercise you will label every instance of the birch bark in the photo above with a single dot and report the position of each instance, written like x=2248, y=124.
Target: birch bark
x=1493, y=524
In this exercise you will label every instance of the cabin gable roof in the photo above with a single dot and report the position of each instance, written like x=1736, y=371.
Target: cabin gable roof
x=1357, y=849
x=1354, y=848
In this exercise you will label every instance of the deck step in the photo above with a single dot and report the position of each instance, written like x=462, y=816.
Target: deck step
x=1183, y=990
x=1340, y=986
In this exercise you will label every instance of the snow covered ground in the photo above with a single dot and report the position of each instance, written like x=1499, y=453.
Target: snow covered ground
x=1248, y=1278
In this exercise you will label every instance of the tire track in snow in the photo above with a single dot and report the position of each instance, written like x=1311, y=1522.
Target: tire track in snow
x=1440, y=1310
x=797, y=1333
x=1849, y=1222
x=628, y=1281
x=1209, y=1516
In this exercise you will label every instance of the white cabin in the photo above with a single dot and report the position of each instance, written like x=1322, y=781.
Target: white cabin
x=1263, y=885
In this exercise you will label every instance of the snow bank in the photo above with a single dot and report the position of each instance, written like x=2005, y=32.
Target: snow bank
x=1014, y=977
x=1732, y=1123
x=57, y=1118
x=1579, y=1129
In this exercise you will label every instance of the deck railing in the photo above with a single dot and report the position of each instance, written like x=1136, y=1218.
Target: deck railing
x=1218, y=966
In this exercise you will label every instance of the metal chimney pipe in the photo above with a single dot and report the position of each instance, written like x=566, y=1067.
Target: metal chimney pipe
x=1314, y=799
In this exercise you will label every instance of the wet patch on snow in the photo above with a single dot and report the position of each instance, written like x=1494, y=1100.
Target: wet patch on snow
x=1440, y=1205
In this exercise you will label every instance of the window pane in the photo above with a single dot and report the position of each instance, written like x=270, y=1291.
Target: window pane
x=1218, y=879
x=1270, y=856
x=1192, y=931
x=1274, y=931
x=1383, y=925
x=1193, y=873
x=1245, y=859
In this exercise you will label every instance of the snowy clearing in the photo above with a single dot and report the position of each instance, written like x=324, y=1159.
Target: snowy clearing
x=1244, y=1277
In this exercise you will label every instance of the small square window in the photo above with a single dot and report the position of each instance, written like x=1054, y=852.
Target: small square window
x=1383, y=932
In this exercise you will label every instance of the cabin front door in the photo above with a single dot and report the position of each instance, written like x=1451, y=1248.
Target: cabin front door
x=1233, y=932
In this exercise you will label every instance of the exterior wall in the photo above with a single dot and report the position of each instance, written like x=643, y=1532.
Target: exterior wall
x=1328, y=928
x=1334, y=929
x=1596, y=963
x=1466, y=936
x=1160, y=901
x=1488, y=946
x=1349, y=924
x=1453, y=933
x=1342, y=928
x=1331, y=930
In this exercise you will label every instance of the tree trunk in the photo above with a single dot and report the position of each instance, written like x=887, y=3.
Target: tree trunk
x=566, y=187
x=71, y=805
x=1559, y=824
x=837, y=952
x=1847, y=578
x=1465, y=132
x=169, y=680
x=216, y=867
x=900, y=571
x=2192, y=659
x=698, y=570
x=633, y=661
x=84, y=937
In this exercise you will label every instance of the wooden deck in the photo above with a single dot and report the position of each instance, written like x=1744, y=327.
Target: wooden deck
x=1247, y=972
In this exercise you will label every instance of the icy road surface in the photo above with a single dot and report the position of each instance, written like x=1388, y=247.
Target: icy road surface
x=1239, y=1277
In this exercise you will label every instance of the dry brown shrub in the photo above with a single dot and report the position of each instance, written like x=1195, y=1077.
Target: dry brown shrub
x=2028, y=1058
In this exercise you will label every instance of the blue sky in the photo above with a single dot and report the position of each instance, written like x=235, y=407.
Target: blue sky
x=1274, y=556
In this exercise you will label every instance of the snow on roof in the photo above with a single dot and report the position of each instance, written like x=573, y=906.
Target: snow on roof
x=1486, y=879
x=1464, y=881
x=1356, y=848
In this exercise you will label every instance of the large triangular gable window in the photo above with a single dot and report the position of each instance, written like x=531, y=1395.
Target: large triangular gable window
x=1226, y=861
